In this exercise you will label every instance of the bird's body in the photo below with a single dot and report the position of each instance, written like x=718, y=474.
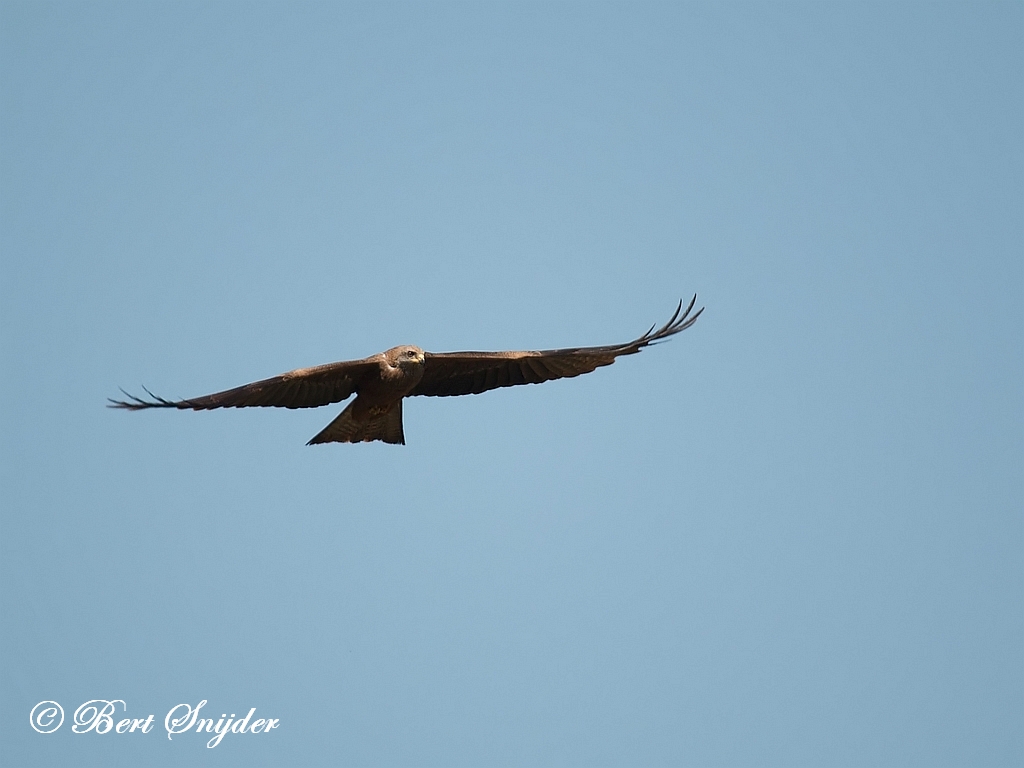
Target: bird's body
x=382, y=381
x=376, y=411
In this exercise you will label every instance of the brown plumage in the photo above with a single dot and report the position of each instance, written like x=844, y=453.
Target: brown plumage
x=381, y=382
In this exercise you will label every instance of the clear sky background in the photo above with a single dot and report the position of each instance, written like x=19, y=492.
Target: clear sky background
x=792, y=536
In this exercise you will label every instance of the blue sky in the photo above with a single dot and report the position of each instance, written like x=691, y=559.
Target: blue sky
x=793, y=535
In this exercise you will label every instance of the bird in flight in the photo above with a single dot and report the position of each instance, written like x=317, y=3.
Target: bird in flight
x=382, y=381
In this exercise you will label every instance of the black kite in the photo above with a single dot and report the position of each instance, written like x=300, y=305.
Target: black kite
x=381, y=382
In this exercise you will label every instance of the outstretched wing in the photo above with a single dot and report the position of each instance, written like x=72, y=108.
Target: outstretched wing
x=301, y=388
x=469, y=373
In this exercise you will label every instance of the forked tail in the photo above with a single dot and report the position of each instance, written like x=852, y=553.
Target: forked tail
x=386, y=426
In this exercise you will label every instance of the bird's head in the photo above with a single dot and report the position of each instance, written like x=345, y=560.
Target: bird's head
x=406, y=357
